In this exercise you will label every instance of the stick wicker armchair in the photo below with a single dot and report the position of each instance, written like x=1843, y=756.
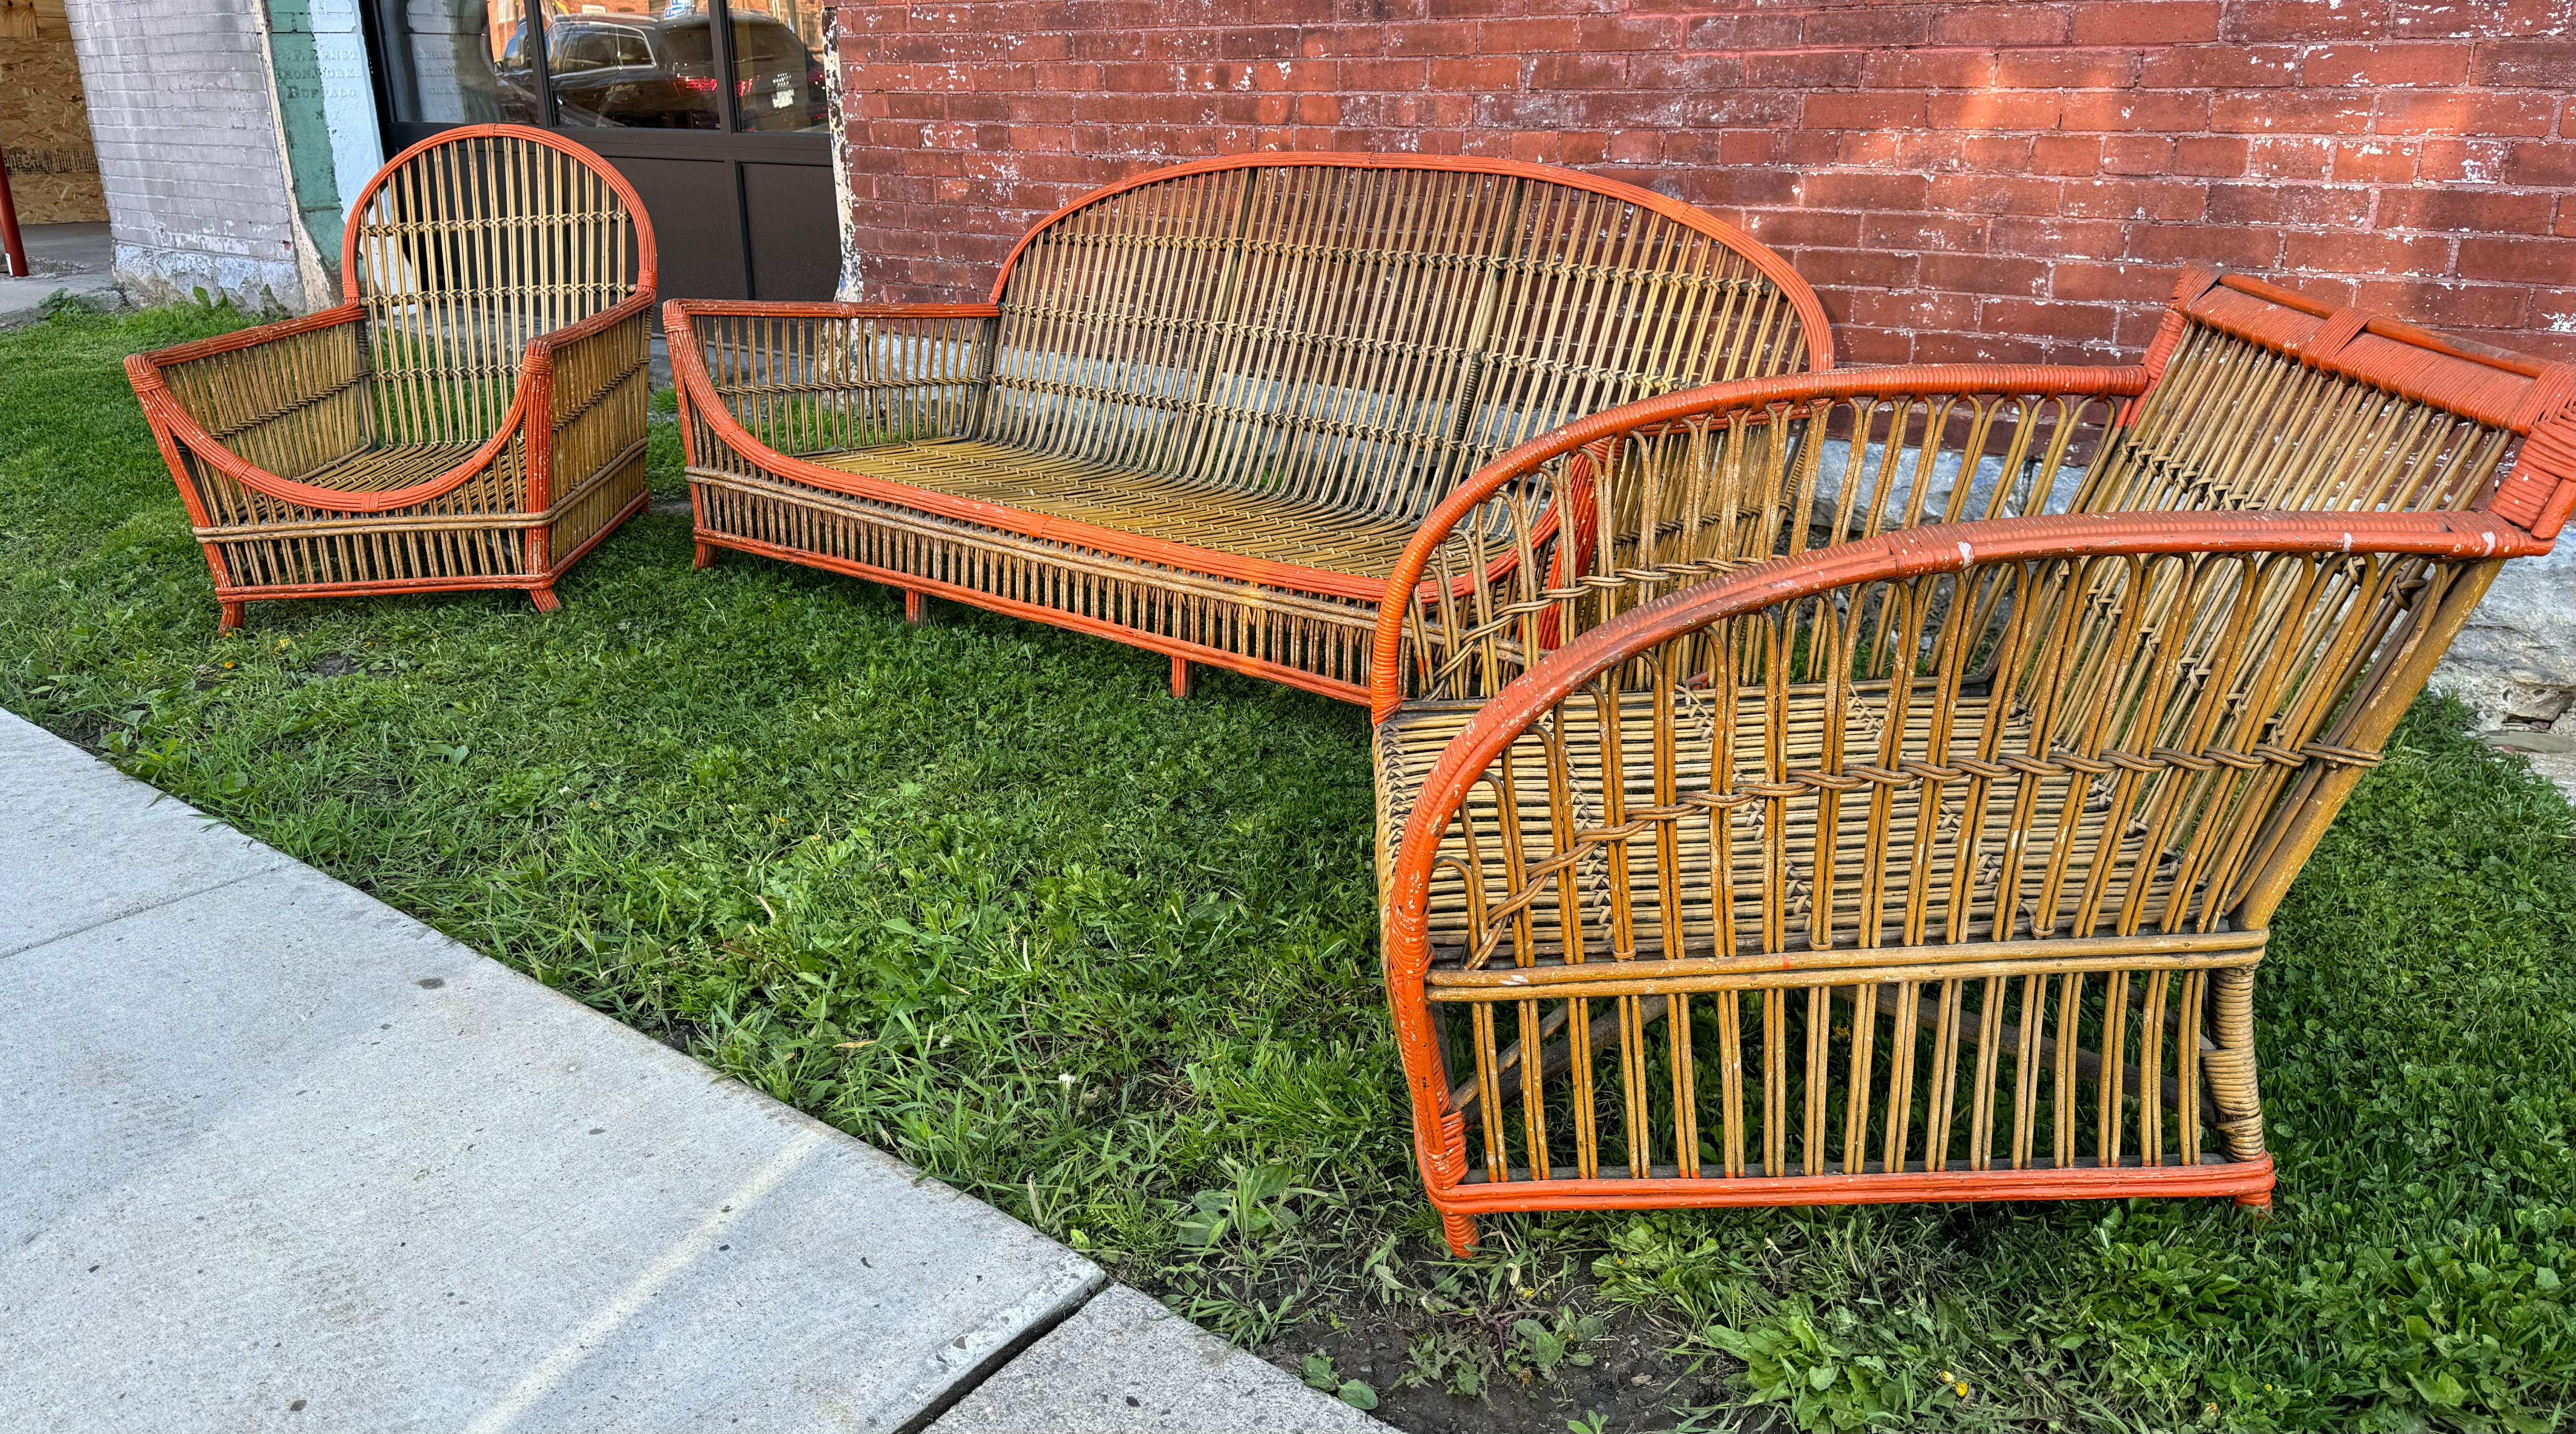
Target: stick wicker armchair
x=1878, y=786
x=1207, y=407
x=470, y=416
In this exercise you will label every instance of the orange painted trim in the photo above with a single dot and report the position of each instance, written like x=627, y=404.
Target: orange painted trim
x=250, y=338
x=2388, y=326
x=2234, y=1177
x=688, y=367
x=395, y=587
x=2541, y=489
x=1817, y=332
x=1439, y=1134
x=1908, y=381
x=1053, y=617
x=2195, y=280
x=824, y=309
x=647, y=257
x=2512, y=392
x=140, y=374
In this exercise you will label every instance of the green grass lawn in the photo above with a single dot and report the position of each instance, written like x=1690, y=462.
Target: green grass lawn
x=984, y=895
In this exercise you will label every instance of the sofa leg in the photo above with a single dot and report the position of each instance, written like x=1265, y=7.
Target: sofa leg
x=545, y=599
x=1182, y=686
x=705, y=557
x=231, y=619
x=914, y=606
x=1460, y=1231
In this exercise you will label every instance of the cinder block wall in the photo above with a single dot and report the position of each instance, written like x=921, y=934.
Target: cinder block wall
x=189, y=150
x=1993, y=180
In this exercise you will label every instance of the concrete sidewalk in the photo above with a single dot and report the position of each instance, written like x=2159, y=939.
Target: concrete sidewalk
x=77, y=259
x=280, y=1157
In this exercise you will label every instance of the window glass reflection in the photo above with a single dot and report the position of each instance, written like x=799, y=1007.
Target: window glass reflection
x=633, y=64
x=778, y=58
x=457, y=61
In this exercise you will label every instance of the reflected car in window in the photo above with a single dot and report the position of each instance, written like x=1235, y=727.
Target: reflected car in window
x=642, y=73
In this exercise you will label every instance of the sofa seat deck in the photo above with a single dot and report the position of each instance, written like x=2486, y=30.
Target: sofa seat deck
x=1168, y=508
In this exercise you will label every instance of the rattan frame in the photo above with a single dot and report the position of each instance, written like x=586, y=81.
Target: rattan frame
x=1986, y=932
x=471, y=415
x=1093, y=289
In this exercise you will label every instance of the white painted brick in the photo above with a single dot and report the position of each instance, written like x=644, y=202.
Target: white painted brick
x=187, y=144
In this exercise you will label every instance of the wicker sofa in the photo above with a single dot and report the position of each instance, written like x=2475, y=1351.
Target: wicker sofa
x=1881, y=788
x=1207, y=407
x=470, y=416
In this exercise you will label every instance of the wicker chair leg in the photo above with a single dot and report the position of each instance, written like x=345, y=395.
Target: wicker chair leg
x=1460, y=1230
x=915, y=605
x=231, y=619
x=706, y=555
x=1182, y=683
x=545, y=599
x=2233, y=1085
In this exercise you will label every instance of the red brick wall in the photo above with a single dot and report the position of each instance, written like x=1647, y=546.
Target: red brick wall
x=1976, y=179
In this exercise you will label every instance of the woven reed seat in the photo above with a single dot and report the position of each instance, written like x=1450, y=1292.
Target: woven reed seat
x=394, y=465
x=1876, y=786
x=1207, y=407
x=470, y=416
x=1174, y=510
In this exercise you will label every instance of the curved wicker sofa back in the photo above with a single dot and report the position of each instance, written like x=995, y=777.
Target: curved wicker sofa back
x=1207, y=406
x=1362, y=332
x=468, y=245
x=1923, y=848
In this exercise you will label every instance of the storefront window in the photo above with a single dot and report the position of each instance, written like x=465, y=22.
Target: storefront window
x=457, y=61
x=633, y=64
x=778, y=59
x=625, y=64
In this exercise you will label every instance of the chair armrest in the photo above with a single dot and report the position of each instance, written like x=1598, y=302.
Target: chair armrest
x=2309, y=633
x=260, y=392
x=262, y=406
x=1568, y=530
x=572, y=366
x=800, y=379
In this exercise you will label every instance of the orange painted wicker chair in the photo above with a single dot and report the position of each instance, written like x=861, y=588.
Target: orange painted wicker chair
x=1881, y=794
x=470, y=416
x=1207, y=407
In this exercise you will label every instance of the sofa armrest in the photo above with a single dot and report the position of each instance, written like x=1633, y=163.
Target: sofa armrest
x=804, y=379
x=1566, y=531
x=2237, y=640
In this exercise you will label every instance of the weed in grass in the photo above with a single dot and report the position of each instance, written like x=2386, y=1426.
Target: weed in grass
x=978, y=894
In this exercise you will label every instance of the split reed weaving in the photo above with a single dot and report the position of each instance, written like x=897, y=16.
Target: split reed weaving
x=1876, y=786
x=470, y=416
x=1208, y=407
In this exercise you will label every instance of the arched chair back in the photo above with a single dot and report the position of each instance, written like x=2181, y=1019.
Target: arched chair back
x=468, y=245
